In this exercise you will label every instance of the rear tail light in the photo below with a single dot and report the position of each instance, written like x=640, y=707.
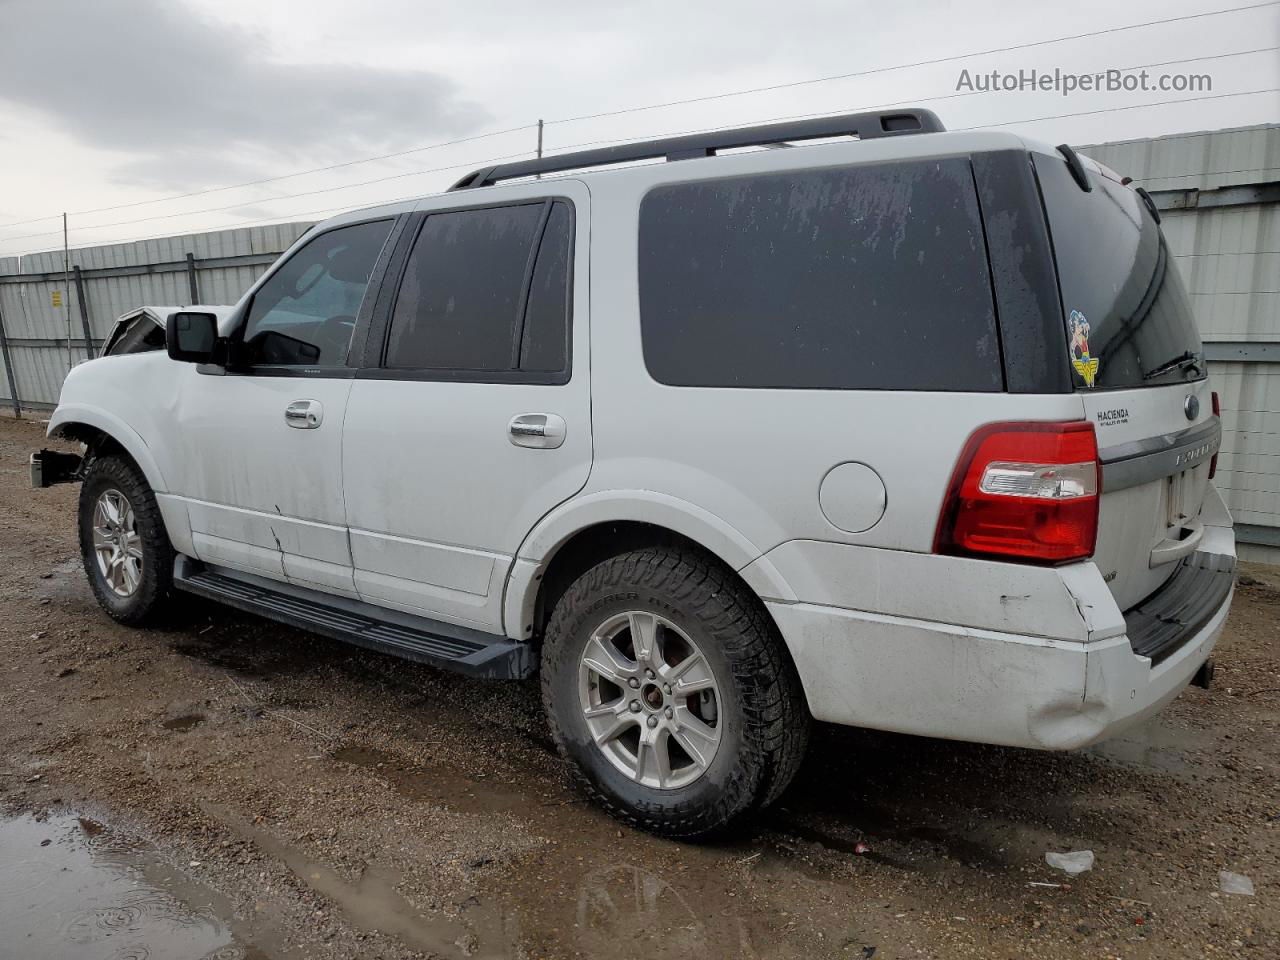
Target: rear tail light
x=1024, y=491
x=1217, y=412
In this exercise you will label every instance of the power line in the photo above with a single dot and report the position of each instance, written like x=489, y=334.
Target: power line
x=690, y=100
x=1133, y=106
x=283, y=217
x=482, y=163
x=283, y=176
x=918, y=63
x=900, y=103
x=287, y=196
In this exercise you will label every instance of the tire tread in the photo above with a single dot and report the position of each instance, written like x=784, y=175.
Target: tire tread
x=154, y=595
x=776, y=718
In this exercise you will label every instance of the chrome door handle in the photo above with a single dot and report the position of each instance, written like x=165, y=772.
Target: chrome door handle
x=304, y=414
x=544, y=431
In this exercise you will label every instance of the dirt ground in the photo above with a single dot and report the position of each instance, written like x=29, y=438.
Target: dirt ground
x=305, y=799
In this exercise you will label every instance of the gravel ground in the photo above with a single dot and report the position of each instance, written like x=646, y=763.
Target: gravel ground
x=339, y=803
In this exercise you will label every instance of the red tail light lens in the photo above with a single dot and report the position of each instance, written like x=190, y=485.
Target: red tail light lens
x=1217, y=412
x=1025, y=491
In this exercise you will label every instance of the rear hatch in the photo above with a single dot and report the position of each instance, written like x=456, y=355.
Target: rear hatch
x=1139, y=366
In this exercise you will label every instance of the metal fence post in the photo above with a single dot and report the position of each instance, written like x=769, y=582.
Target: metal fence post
x=84, y=314
x=66, y=287
x=8, y=368
x=191, y=279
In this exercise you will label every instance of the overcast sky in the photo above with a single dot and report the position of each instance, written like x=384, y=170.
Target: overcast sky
x=109, y=102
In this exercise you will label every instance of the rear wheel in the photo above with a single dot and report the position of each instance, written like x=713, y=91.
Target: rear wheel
x=667, y=688
x=126, y=551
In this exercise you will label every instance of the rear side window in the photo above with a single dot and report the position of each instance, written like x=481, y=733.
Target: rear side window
x=486, y=291
x=544, y=338
x=869, y=277
x=1129, y=319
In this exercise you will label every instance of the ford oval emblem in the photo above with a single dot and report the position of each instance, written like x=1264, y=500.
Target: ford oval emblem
x=1191, y=406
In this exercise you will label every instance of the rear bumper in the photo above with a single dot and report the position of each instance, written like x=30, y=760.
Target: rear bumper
x=1055, y=664
x=958, y=683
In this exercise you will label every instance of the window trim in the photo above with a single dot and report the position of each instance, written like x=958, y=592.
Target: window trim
x=345, y=371
x=379, y=338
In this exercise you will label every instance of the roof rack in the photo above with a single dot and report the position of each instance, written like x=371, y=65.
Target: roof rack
x=864, y=126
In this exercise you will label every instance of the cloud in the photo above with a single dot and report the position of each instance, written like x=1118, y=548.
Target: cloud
x=185, y=94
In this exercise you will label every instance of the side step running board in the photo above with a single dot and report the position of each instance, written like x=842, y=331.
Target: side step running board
x=439, y=644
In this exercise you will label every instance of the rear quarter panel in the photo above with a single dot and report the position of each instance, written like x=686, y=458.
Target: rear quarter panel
x=757, y=457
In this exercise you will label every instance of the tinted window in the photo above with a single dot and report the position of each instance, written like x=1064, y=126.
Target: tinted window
x=868, y=277
x=545, y=338
x=459, y=303
x=306, y=311
x=1129, y=320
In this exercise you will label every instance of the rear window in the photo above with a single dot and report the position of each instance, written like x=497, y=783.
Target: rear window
x=870, y=277
x=1129, y=319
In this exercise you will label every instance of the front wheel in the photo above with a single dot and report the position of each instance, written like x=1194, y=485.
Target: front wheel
x=670, y=693
x=126, y=551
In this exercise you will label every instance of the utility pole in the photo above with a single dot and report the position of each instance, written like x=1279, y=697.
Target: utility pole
x=66, y=287
x=539, y=176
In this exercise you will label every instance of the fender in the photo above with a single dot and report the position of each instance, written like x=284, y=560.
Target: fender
x=68, y=414
x=644, y=506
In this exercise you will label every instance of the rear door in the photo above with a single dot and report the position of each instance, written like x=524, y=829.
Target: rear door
x=1138, y=364
x=472, y=418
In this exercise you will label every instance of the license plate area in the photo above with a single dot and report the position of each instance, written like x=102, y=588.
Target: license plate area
x=1176, y=506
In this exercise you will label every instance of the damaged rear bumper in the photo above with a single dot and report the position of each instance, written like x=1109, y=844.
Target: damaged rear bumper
x=959, y=683
x=1061, y=667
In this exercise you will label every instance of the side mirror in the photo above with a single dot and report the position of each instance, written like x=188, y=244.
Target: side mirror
x=192, y=337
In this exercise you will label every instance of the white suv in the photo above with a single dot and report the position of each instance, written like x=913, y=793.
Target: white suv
x=904, y=429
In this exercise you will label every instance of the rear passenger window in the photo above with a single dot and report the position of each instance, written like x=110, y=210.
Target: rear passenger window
x=544, y=341
x=486, y=291
x=870, y=277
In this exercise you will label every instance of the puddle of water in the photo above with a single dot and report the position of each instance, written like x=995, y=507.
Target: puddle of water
x=373, y=903
x=597, y=891
x=69, y=888
x=437, y=783
x=184, y=723
x=1156, y=747
x=626, y=909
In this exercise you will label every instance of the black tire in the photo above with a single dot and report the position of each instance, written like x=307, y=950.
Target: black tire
x=766, y=720
x=151, y=597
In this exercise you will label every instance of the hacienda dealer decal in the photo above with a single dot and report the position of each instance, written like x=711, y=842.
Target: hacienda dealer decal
x=1085, y=365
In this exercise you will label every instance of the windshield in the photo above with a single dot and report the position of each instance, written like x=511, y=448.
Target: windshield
x=1129, y=319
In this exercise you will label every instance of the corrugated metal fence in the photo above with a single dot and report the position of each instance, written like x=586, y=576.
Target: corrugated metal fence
x=209, y=268
x=1219, y=196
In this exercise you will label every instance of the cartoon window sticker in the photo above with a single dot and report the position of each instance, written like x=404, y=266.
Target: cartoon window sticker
x=1084, y=364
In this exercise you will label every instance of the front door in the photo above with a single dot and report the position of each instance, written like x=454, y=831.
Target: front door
x=261, y=458
x=474, y=420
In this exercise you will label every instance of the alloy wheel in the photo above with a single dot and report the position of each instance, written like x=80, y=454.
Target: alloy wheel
x=650, y=700
x=116, y=543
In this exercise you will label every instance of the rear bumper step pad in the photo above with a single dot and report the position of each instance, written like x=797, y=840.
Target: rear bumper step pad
x=414, y=638
x=1176, y=612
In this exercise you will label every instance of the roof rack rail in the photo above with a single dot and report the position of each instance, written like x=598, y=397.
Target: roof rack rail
x=864, y=126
